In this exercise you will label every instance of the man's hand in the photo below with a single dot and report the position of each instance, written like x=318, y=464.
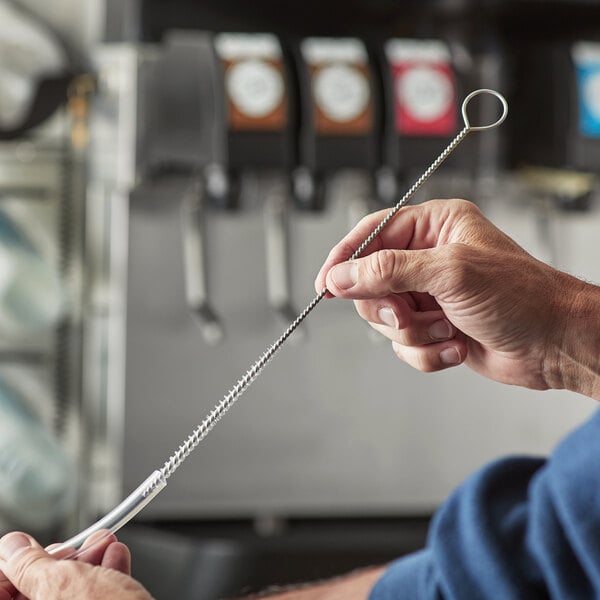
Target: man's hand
x=101, y=572
x=448, y=287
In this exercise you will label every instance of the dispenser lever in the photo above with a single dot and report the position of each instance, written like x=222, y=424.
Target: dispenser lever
x=277, y=250
x=194, y=262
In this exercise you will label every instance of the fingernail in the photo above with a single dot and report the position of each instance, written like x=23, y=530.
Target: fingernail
x=11, y=543
x=450, y=356
x=344, y=275
x=388, y=317
x=440, y=330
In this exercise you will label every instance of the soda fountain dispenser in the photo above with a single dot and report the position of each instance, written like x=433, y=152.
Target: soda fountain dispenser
x=339, y=117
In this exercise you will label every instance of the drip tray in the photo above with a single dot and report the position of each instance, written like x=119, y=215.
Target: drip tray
x=215, y=560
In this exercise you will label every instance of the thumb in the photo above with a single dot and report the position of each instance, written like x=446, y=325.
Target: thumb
x=385, y=272
x=25, y=564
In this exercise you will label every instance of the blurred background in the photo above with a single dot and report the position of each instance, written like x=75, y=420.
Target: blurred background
x=173, y=174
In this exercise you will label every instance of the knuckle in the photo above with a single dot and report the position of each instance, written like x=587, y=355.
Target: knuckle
x=25, y=569
x=383, y=265
x=24, y=564
x=463, y=206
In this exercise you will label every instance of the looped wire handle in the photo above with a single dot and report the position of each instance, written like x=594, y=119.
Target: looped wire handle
x=500, y=119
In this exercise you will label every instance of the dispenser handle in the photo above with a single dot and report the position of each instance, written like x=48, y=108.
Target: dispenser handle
x=277, y=249
x=194, y=262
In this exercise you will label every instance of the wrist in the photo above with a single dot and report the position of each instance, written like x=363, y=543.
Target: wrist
x=354, y=586
x=576, y=351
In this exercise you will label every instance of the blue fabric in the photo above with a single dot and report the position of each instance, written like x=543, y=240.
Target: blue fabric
x=520, y=528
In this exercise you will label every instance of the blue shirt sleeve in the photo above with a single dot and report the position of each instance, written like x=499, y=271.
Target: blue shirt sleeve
x=520, y=528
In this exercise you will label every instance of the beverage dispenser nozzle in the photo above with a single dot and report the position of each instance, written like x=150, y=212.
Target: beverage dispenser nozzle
x=568, y=190
x=550, y=193
x=387, y=188
x=308, y=190
x=194, y=261
x=221, y=187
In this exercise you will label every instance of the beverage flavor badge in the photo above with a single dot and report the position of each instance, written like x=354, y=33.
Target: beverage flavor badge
x=586, y=58
x=341, y=85
x=254, y=81
x=424, y=87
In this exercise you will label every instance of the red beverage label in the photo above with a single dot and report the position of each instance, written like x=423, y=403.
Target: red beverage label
x=424, y=88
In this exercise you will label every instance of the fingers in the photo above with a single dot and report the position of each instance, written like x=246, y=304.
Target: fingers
x=345, y=248
x=93, y=549
x=412, y=223
x=103, y=549
x=117, y=557
x=37, y=575
x=425, y=340
x=387, y=272
x=393, y=317
x=23, y=561
x=7, y=589
x=428, y=225
x=433, y=357
x=378, y=283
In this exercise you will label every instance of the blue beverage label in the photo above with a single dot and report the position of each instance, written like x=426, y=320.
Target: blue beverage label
x=586, y=57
